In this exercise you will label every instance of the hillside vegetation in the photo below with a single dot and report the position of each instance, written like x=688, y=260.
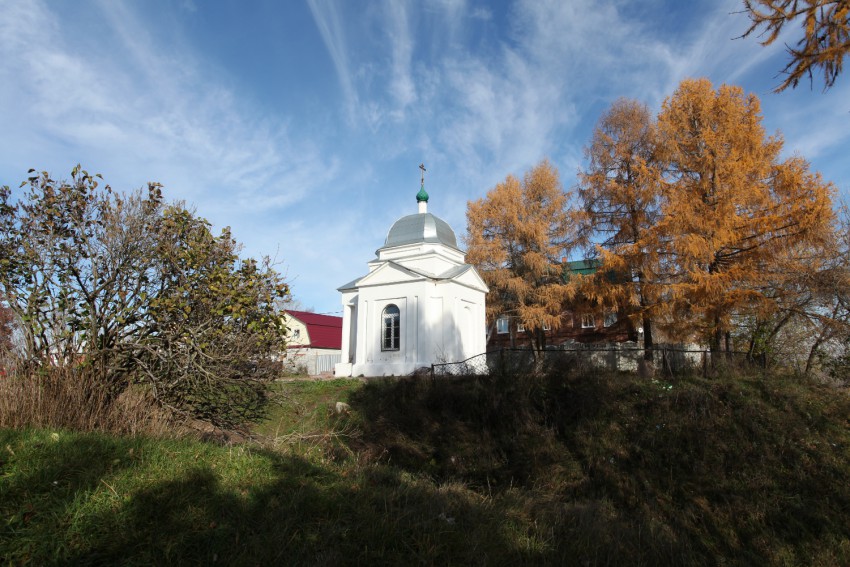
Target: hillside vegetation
x=587, y=470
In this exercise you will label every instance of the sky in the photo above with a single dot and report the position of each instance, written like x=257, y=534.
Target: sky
x=301, y=125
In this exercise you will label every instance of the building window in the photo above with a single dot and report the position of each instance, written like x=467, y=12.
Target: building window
x=547, y=327
x=391, y=327
x=610, y=318
x=296, y=334
x=588, y=321
x=502, y=325
x=520, y=328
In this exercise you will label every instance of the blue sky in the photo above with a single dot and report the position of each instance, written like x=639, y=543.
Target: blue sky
x=301, y=125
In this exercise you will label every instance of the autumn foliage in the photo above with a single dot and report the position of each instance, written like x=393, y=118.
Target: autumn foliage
x=731, y=207
x=825, y=41
x=517, y=235
x=620, y=194
x=703, y=230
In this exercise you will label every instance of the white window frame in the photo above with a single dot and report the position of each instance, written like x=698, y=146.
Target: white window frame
x=585, y=317
x=609, y=319
x=391, y=328
x=520, y=328
x=503, y=325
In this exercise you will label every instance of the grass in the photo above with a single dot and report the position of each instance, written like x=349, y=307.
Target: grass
x=588, y=470
x=305, y=406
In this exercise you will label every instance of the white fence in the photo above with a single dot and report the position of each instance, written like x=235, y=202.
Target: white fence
x=325, y=363
x=311, y=363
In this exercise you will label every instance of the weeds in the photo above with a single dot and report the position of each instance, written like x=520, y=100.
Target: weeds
x=65, y=398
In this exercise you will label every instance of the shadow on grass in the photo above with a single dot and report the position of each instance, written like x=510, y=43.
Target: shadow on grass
x=630, y=470
x=587, y=470
x=113, y=506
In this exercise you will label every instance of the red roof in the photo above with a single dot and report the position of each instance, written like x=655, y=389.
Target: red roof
x=325, y=330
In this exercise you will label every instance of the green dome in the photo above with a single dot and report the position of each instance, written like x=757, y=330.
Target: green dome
x=422, y=195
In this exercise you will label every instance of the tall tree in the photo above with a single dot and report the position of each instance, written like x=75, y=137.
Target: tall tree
x=517, y=235
x=825, y=41
x=620, y=192
x=74, y=259
x=730, y=206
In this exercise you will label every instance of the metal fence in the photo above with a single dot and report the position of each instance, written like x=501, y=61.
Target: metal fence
x=667, y=360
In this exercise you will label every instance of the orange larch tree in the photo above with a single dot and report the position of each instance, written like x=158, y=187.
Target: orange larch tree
x=516, y=237
x=825, y=41
x=620, y=193
x=730, y=206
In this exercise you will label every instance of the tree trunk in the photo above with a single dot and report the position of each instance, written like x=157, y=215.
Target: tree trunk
x=716, y=337
x=539, y=340
x=821, y=338
x=812, y=353
x=647, y=339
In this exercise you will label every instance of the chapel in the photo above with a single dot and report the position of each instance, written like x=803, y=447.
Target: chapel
x=419, y=304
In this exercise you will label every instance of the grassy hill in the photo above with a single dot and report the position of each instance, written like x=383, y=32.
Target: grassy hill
x=586, y=470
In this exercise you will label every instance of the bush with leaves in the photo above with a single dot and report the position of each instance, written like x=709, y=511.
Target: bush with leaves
x=128, y=289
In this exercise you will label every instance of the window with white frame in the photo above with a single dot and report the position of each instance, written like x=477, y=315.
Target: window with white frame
x=610, y=318
x=588, y=321
x=520, y=328
x=502, y=325
x=547, y=327
x=391, y=328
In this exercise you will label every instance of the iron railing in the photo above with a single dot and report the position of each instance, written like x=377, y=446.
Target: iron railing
x=665, y=360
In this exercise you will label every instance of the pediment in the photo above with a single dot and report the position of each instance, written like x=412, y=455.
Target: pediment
x=389, y=273
x=469, y=277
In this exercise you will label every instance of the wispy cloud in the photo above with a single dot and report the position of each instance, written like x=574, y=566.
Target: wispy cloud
x=401, y=47
x=475, y=91
x=142, y=110
x=816, y=127
x=328, y=20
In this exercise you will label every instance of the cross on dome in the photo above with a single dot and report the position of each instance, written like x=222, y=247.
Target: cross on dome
x=422, y=196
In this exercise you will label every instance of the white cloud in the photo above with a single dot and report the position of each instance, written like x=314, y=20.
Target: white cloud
x=133, y=106
x=481, y=13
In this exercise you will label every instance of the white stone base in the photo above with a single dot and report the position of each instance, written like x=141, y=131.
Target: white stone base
x=376, y=369
x=342, y=369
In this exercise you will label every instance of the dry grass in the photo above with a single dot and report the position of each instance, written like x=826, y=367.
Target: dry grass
x=64, y=398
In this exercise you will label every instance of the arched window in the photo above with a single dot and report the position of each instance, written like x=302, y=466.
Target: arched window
x=391, y=328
